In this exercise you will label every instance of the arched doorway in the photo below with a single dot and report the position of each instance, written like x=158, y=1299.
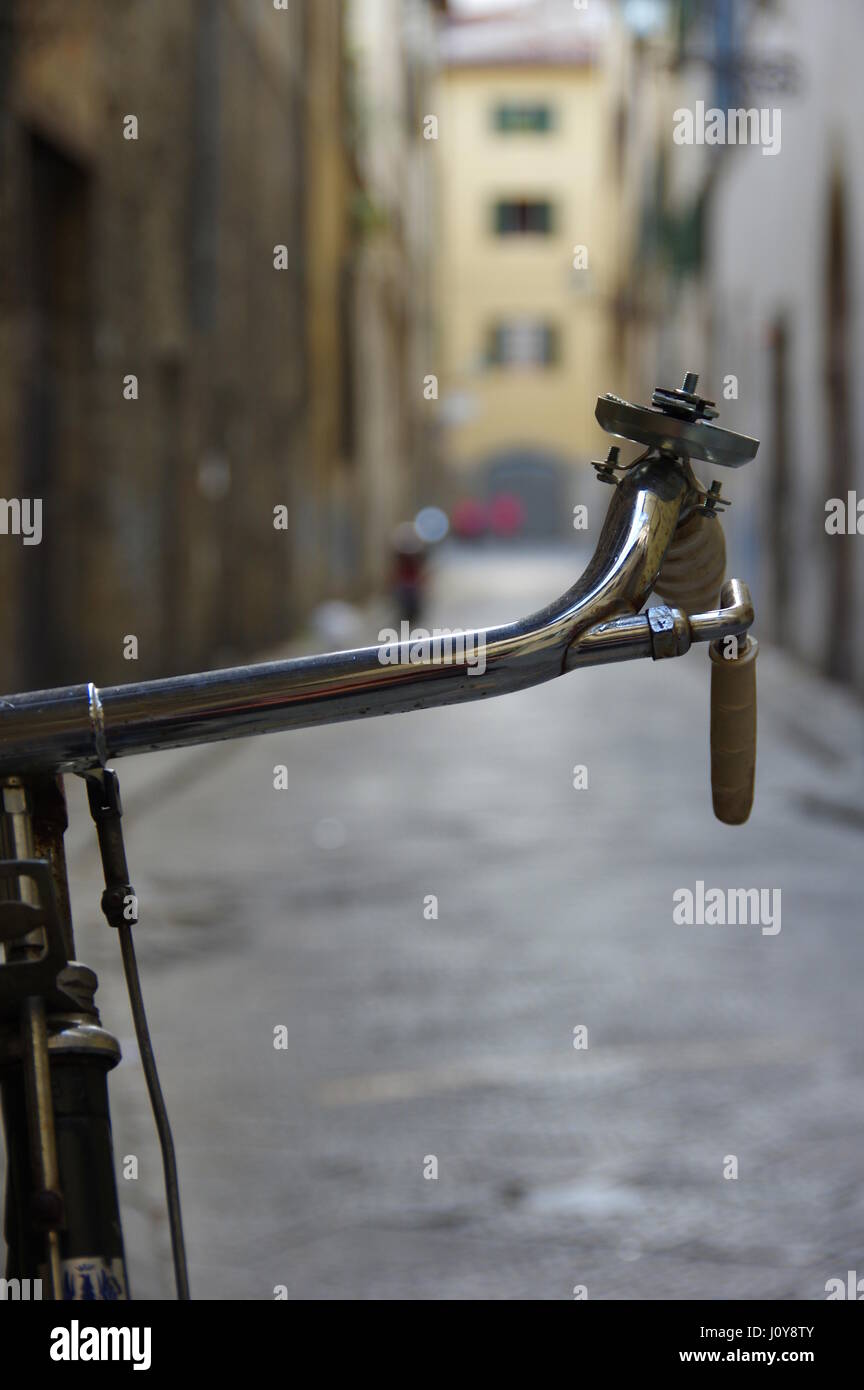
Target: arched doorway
x=538, y=479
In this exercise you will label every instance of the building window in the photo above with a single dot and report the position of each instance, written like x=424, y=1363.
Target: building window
x=518, y=343
x=523, y=217
x=522, y=118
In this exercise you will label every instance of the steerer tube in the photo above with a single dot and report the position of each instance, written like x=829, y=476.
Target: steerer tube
x=77, y=727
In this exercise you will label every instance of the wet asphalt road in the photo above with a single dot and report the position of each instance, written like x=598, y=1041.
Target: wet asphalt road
x=410, y=1039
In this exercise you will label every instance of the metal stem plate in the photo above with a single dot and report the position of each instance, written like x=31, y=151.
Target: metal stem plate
x=697, y=439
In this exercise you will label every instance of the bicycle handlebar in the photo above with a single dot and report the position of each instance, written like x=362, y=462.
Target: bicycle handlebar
x=77, y=727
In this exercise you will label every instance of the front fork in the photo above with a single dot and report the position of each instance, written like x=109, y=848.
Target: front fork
x=62, y=1220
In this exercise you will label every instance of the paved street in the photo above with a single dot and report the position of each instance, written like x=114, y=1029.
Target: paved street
x=410, y=1038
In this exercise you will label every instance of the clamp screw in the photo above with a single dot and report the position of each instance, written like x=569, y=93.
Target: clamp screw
x=606, y=469
x=683, y=402
x=713, y=500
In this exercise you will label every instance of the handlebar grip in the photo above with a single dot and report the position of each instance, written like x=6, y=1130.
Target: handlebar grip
x=733, y=731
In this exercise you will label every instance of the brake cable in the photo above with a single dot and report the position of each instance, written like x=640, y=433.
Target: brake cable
x=120, y=906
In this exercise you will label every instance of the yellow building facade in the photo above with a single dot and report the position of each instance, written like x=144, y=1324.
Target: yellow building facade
x=526, y=256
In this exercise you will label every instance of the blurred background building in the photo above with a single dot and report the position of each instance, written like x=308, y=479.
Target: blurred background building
x=748, y=266
x=528, y=249
x=557, y=135
x=392, y=59
x=350, y=257
x=225, y=202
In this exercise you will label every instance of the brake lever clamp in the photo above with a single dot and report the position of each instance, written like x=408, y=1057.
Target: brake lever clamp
x=699, y=500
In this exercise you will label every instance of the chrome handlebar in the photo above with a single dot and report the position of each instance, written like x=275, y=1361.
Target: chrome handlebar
x=77, y=727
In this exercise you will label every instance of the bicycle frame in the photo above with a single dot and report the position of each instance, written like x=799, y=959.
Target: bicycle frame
x=79, y=728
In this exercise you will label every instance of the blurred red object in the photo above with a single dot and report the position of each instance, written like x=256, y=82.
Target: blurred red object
x=506, y=514
x=469, y=518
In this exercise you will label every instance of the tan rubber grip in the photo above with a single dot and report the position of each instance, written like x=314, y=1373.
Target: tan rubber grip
x=733, y=731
